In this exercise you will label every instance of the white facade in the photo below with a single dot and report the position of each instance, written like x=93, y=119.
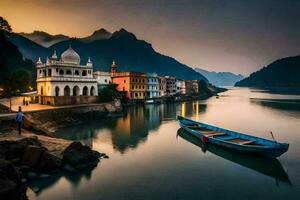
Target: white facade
x=180, y=87
x=103, y=79
x=65, y=76
x=152, y=89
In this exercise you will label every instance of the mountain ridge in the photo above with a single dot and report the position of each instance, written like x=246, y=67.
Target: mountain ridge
x=220, y=78
x=284, y=72
x=130, y=53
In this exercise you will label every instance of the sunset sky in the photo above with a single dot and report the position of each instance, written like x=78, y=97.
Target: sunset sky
x=234, y=35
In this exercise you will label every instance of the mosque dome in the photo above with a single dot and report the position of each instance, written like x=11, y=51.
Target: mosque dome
x=70, y=56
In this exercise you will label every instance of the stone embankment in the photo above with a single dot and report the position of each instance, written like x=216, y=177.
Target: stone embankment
x=49, y=121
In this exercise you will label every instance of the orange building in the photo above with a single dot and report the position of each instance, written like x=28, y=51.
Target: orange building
x=133, y=83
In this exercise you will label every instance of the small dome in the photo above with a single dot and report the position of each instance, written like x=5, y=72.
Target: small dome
x=70, y=56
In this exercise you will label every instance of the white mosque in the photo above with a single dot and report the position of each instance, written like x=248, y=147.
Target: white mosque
x=64, y=81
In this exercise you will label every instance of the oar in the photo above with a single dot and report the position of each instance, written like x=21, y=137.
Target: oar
x=272, y=136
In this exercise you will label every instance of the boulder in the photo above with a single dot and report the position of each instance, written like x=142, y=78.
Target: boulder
x=11, y=185
x=31, y=156
x=49, y=163
x=9, y=190
x=80, y=156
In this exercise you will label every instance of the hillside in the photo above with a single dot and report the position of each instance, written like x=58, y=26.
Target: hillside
x=220, y=78
x=283, y=73
x=129, y=52
x=14, y=70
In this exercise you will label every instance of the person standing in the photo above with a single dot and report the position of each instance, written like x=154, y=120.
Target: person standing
x=19, y=119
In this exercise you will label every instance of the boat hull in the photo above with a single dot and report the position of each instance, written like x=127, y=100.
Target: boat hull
x=272, y=150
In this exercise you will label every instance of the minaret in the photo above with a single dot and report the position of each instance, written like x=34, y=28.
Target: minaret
x=113, y=67
x=39, y=62
x=54, y=56
x=89, y=63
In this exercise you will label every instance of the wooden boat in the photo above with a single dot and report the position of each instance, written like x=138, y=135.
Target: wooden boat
x=233, y=140
x=267, y=166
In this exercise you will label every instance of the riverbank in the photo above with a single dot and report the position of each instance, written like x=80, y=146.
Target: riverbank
x=35, y=154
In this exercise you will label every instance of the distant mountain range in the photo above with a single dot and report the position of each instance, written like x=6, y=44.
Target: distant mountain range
x=46, y=40
x=102, y=46
x=220, y=78
x=283, y=73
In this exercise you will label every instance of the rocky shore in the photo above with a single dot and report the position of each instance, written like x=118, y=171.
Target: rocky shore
x=30, y=156
x=35, y=154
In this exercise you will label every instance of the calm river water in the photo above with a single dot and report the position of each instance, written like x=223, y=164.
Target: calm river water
x=151, y=159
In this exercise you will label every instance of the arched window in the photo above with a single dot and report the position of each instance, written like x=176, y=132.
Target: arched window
x=83, y=73
x=56, y=91
x=69, y=72
x=61, y=72
x=67, y=91
x=85, y=91
x=77, y=73
x=92, y=91
x=76, y=91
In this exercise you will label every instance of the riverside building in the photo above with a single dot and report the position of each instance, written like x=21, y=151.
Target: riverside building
x=132, y=83
x=64, y=81
x=152, y=85
x=170, y=85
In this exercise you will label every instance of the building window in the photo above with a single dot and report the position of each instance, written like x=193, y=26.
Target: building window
x=61, y=72
x=123, y=88
x=49, y=72
x=105, y=81
x=136, y=94
x=83, y=73
x=76, y=73
x=124, y=81
x=56, y=70
x=68, y=72
x=132, y=87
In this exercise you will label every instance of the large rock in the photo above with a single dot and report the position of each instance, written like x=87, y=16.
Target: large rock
x=49, y=163
x=80, y=156
x=32, y=156
x=11, y=186
x=15, y=149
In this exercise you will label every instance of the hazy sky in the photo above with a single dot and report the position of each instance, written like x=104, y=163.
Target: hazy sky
x=234, y=35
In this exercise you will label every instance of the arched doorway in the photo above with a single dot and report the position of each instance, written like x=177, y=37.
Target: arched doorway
x=56, y=91
x=76, y=91
x=42, y=90
x=85, y=91
x=67, y=91
x=92, y=91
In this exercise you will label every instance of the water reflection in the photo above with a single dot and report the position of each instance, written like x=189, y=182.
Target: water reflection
x=266, y=166
x=129, y=131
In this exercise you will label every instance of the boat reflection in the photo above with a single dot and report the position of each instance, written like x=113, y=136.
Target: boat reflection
x=267, y=166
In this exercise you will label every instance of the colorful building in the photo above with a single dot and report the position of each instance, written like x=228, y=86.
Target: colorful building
x=152, y=86
x=180, y=87
x=192, y=87
x=162, y=84
x=170, y=85
x=132, y=83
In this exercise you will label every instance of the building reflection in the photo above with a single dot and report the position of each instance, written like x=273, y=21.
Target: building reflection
x=129, y=131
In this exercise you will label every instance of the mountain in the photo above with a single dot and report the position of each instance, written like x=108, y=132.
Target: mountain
x=100, y=34
x=15, y=72
x=43, y=38
x=220, y=78
x=129, y=52
x=284, y=72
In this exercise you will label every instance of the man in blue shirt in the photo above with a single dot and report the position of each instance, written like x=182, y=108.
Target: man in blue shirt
x=19, y=119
